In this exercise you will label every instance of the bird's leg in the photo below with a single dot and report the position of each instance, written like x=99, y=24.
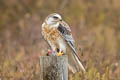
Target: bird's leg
x=60, y=53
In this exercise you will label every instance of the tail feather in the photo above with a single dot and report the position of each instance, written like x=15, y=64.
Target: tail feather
x=76, y=57
x=80, y=64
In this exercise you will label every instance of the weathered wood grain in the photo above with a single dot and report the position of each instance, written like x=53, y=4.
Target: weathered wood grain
x=53, y=68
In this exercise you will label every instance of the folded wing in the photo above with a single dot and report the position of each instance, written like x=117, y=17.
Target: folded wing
x=65, y=32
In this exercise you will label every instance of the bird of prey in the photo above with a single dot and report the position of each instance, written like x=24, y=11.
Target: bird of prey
x=58, y=35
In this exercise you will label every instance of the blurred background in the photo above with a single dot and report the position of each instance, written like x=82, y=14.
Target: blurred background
x=95, y=25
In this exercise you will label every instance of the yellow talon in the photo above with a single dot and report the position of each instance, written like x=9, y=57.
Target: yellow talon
x=60, y=53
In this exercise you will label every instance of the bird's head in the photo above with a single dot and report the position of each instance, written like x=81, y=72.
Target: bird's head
x=53, y=19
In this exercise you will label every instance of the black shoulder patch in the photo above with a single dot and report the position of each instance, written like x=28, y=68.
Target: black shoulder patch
x=63, y=30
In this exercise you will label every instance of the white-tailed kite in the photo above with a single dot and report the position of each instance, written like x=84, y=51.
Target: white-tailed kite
x=58, y=35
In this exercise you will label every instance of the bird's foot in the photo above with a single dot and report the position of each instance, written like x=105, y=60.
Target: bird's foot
x=60, y=53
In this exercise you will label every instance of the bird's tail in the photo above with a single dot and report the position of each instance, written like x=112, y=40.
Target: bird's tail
x=77, y=58
x=79, y=62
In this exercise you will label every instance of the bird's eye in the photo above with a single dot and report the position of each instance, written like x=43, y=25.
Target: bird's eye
x=55, y=17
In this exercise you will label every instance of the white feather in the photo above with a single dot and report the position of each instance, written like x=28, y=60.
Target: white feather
x=80, y=64
x=62, y=45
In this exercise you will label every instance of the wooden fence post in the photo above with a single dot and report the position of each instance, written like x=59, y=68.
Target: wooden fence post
x=54, y=68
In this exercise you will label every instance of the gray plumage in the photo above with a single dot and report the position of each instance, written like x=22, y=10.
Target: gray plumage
x=58, y=35
x=65, y=31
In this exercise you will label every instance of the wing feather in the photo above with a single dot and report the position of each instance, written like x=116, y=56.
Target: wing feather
x=65, y=31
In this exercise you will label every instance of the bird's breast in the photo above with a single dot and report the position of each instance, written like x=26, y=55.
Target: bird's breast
x=51, y=33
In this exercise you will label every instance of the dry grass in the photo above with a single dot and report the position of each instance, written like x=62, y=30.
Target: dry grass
x=95, y=25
